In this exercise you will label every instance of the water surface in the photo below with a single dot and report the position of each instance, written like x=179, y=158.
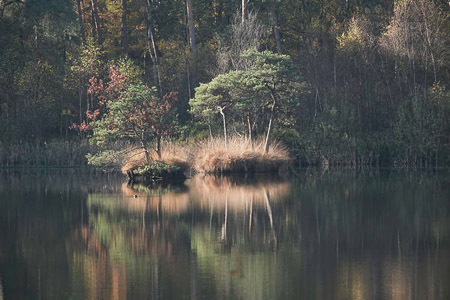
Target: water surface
x=332, y=235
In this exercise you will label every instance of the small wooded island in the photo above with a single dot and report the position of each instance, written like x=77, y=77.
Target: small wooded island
x=134, y=114
x=156, y=88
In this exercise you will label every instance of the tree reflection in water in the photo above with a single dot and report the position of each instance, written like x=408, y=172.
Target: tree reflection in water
x=341, y=235
x=152, y=230
x=1, y=290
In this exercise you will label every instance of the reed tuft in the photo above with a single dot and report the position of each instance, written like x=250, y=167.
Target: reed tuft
x=211, y=156
x=239, y=157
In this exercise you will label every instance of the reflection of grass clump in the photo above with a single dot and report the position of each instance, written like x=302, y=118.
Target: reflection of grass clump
x=219, y=192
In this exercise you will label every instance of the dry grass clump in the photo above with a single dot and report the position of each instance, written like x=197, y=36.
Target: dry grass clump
x=176, y=155
x=211, y=156
x=207, y=192
x=134, y=159
x=171, y=154
x=239, y=156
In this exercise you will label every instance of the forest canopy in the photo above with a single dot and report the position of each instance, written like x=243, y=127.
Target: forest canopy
x=341, y=81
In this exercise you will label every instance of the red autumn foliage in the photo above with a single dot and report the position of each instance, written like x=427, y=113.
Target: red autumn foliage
x=151, y=116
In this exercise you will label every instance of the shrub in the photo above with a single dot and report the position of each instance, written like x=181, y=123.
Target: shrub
x=171, y=154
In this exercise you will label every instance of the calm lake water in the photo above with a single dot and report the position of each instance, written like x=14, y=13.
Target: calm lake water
x=331, y=235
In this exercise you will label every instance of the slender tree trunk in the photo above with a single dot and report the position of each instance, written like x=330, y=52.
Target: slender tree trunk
x=434, y=66
x=148, y=157
x=87, y=104
x=80, y=20
x=152, y=48
x=188, y=77
x=97, y=21
x=210, y=130
x=35, y=37
x=276, y=28
x=428, y=38
x=249, y=125
x=334, y=69
x=92, y=22
x=2, y=9
x=190, y=17
x=271, y=121
x=244, y=11
x=430, y=49
x=80, y=100
x=158, y=146
x=224, y=125
x=92, y=102
x=124, y=28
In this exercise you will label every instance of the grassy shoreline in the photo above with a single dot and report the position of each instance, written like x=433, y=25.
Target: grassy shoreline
x=43, y=154
x=205, y=157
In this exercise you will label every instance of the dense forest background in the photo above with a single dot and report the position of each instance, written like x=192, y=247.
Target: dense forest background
x=377, y=71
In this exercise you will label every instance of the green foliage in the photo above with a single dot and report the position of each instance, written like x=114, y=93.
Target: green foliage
x=270, y=78
x=220, y=92
x=109, y=159
x=34, y=39
x=274, y=75
x=331, y=137
x=192, y=131
x=129, y=110
x=123, y=121
x=133, y=72
x=156, y=169
x=421, y=126
x=379, y=70
x=358, y=38
x=86, y=64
